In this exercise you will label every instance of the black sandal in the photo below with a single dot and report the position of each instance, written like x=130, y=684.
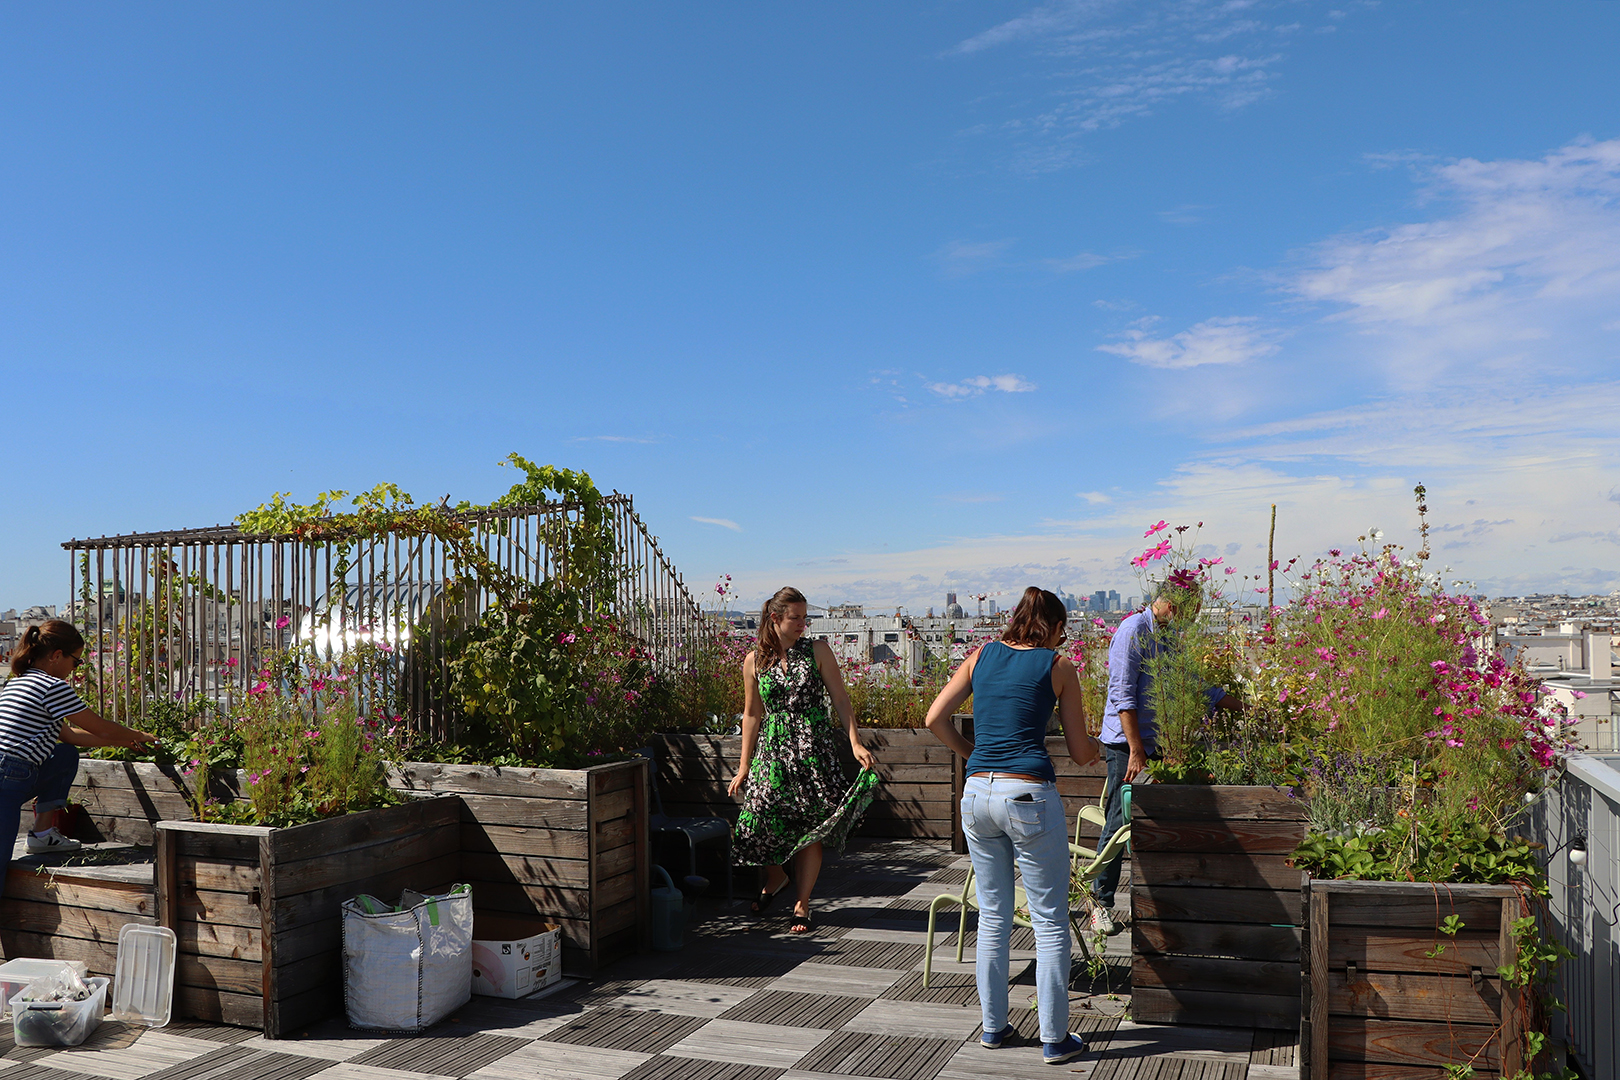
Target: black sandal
x=767, y=897
x=801, y=924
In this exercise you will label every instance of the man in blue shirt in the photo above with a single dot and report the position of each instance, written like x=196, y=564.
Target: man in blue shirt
x=1130, y=732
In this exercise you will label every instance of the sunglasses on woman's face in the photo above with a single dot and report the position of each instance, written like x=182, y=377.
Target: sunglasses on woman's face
x=77, y=660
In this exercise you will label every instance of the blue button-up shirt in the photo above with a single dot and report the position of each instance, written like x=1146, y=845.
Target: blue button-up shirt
x=1136, y=641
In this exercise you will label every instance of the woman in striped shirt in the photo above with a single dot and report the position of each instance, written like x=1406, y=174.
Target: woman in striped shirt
x=42, y=724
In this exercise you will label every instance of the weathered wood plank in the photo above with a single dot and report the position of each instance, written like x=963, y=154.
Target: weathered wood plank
x=1393, y=996
x=76, y=892
x=535, y=813
x=1410, y=1042
x=1401, y=950
x=1421, y=912
x=220, y=908
x=1193, y=904
x=1216, y=871
x=1276, y=978
x=305, y=907
x=217, y=939
x=63, y=921
x=525, y=869
x=219, y=973
x=1239, y=836
x=1238, y=940
x=1214, y=803
x=1201, y=1008
x=206, y=1003
x=99, y=956
x=613, y=890
x=1369, y=1070
x=423, y=842
x=321, y=840
x=518, y=840
x=523, y=783
x=220, y=875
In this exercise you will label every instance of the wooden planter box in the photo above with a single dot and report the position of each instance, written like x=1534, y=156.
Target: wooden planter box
x=257, y=910
x=123, y=799
x=1378, y=1004
x=568, y=845
x=73, y=912
x=1216, y=911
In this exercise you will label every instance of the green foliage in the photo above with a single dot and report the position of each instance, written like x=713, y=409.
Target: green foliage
x=1422, y=851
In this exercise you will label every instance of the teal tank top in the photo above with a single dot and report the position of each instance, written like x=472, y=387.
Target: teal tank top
x=1012, y=704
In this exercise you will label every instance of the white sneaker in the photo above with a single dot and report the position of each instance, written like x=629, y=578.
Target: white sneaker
x=1102, y=922
x=51, y=842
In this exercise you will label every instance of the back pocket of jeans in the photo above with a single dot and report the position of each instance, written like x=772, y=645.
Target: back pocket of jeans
x=1025, y=820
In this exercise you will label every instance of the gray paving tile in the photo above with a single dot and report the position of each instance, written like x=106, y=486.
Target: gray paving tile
x=846, y=979
x=749, y=1044
x=149, y=1052
x=916, y=1018
x=626, y=1029
x=560, y=1061
x=442, y=1055
x=892, y=1057
x=665, y=1067
x=683, y=998
x=789, y=1009
x=879, y=954
x=348, y=1070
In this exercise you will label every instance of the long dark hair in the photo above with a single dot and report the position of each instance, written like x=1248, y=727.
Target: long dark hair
x=38, y=642
x=768, y=650
x=1037, y=617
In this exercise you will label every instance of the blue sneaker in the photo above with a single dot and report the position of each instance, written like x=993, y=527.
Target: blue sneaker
x=993, y=1042
x=1067, y=1050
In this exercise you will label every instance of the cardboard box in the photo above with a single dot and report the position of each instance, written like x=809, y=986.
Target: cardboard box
x=514, y=956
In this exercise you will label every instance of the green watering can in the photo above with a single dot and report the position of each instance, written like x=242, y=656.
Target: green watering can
x=667, y=913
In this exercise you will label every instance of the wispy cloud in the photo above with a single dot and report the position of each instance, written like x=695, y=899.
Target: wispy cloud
x=1086, y=260
x=1107, y=62
x=1095, y=498
x=724, y=523
x=959, y=258
x=979, y=384
x=1232, y=340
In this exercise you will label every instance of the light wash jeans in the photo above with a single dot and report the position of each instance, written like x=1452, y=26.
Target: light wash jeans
x=1034, y=835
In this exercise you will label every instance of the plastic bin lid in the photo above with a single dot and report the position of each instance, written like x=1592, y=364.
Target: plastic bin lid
x=143, y=982
x=27, y=967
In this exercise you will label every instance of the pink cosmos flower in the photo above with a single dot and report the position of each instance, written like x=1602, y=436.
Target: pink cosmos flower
x=1160, y=527
x=281, y=623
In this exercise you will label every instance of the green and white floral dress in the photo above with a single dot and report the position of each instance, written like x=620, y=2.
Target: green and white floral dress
x=797, y=791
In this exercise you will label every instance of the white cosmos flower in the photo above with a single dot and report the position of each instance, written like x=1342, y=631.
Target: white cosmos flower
x=1375, y=533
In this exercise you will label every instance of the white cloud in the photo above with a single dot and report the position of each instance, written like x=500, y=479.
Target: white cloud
x=959, y=258
x=1095, y=498
x=1520, y=276
x=978, y=384
x=1084, y=261
x=724, y=523
x=1214, y=341
x=1103, y=63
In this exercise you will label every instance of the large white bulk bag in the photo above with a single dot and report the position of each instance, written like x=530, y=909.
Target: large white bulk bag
x=406, y=968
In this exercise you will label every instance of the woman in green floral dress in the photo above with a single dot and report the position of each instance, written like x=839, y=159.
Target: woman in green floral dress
x=796, y=795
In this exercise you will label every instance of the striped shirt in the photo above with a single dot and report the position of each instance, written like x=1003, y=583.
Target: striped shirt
x=32, y=707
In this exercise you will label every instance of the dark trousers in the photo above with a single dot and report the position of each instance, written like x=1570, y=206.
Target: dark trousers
x=48, y=785
x=1119, y=759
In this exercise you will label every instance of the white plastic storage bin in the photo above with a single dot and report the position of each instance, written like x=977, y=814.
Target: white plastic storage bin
x=143, y=982
x=20, y=973
x=58, y=1023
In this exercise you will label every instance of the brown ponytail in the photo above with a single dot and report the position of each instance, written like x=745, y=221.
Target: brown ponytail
x=769, y=649
x=38, y=642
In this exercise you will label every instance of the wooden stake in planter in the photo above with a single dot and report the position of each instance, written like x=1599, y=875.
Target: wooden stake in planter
x=1387, y=993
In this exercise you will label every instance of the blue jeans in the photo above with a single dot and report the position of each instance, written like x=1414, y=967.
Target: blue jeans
x=1034, y=835
x=48, y=785
x=1119, y=759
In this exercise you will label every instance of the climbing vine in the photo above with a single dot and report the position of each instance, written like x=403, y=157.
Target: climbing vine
x=520, y=671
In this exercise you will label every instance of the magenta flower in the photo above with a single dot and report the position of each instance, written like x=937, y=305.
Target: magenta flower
x=1160, y=527
x=281, y=623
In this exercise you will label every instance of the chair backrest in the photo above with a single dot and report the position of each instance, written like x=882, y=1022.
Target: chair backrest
x=652, y=778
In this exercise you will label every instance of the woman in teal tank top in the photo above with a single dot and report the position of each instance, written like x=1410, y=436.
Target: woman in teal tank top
x=1012, y=814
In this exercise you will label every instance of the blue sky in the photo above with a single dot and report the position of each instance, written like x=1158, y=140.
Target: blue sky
x=874, y=299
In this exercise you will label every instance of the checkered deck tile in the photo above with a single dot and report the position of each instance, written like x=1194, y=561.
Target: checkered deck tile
x=790, y=1009
x=442, y=1055
x=626, y=1029
x=743, y=1001
x=894, y=1057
